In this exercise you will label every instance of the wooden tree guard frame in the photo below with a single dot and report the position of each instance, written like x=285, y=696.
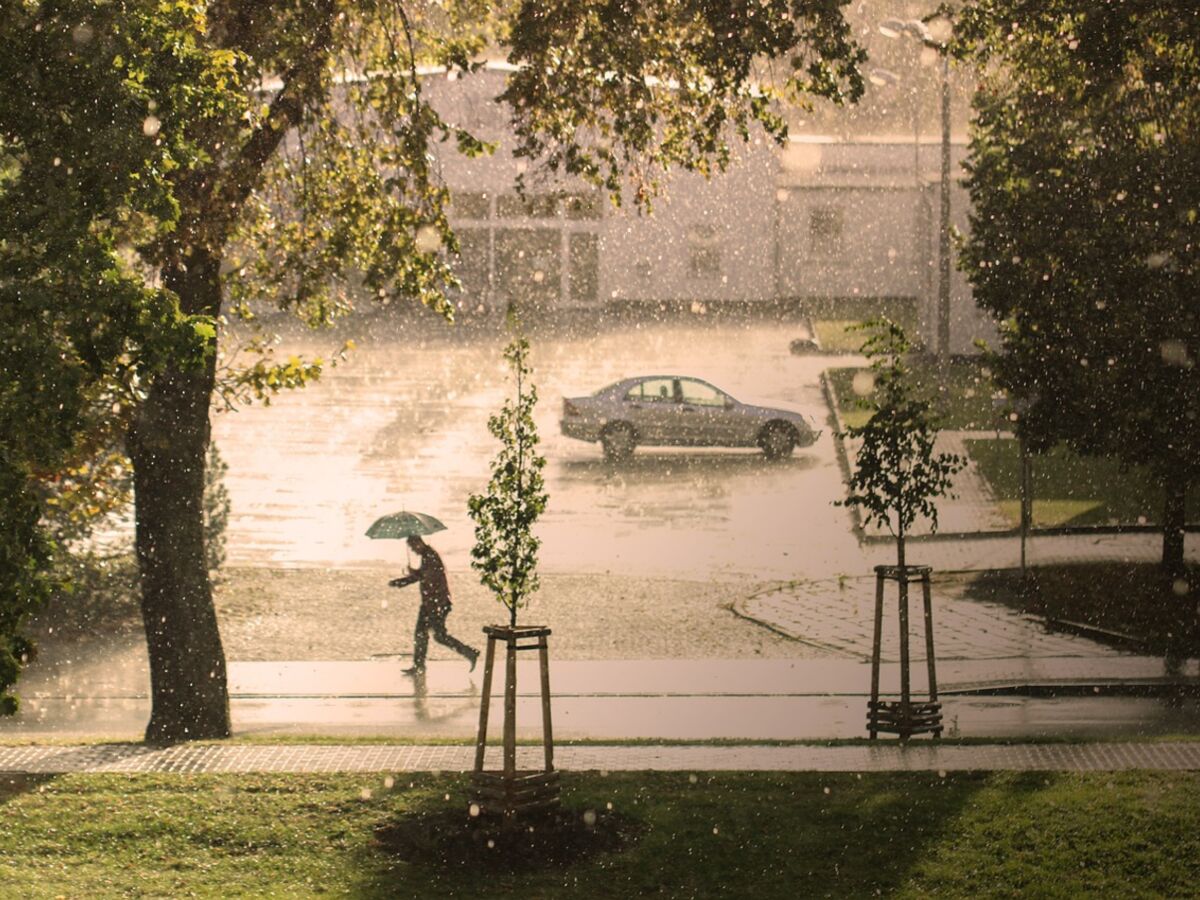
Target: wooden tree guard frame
x=903, y=717
x=510, y=793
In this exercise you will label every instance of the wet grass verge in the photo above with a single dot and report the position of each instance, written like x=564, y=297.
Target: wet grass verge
x=1070, y=490
x=962, y=395
x=762, y=835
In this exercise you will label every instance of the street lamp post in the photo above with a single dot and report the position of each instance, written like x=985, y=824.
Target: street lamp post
x=944, y=221
x=914, y=28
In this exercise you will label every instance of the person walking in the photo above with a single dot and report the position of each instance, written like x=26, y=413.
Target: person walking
x=435, y=606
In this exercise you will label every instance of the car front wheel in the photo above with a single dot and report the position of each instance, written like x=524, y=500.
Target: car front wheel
x=777, y=441
x=618, y=441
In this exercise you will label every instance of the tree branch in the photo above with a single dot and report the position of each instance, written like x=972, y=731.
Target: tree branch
x=301, y=82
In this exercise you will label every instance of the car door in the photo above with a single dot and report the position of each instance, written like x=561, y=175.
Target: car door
x=704, y=415
x=651, y=406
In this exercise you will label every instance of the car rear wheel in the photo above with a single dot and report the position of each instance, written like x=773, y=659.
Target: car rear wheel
x=618, y=441
x=778, y=440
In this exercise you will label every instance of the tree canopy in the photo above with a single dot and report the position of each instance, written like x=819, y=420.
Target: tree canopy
x=186, y=158
x=82, y=328
x=1084, y=226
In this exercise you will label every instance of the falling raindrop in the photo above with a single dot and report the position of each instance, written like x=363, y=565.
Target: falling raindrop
x=150, y=126
x=428, y=240
x=473, y=810
x=589, y=817
x=1175, y=353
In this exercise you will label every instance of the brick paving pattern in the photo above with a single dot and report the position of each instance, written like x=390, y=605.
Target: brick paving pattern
x=926, y=756
x=971, y=506
x=838, y=616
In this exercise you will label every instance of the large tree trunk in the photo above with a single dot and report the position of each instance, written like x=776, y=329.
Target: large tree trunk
x=1174, y=519
x=168, y=445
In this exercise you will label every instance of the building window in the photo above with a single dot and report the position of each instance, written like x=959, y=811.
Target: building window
x=528, y=268
x=471, y=265
x=470, y=205
x=583, y=206
x=531, y=206
x=583, y=273
x=826, y=226
x=704, y=251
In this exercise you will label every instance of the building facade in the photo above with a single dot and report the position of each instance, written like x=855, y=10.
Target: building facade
x=818, y=222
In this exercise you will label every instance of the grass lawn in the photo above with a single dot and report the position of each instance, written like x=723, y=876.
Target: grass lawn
x=833, y=321
x=1129, y=598
x=832, y=317
x=965, y=404
x=1070, y=490
x=760, y=835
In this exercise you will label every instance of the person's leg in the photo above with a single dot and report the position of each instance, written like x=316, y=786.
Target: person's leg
x=438, y=626
x=420, y=640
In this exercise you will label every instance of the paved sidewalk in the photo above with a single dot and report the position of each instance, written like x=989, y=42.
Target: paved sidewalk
x=970, y=508
x=680, y=700
x=192, y=759
x=837, y=615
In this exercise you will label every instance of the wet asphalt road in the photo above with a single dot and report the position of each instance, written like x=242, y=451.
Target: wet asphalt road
x=402, y=425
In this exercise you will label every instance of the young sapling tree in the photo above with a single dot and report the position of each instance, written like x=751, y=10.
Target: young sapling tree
x=505, y=551
x=897, y=474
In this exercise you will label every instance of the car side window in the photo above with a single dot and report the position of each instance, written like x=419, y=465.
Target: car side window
x=697, y=393
x=659, y=390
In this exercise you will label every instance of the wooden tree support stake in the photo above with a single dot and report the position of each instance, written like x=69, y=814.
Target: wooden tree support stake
x=904, y=717
x=512, y=792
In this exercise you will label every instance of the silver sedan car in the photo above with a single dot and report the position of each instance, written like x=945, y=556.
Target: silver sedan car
x=677, y=411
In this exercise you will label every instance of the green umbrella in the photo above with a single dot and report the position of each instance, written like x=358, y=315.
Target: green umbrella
x=403, y=525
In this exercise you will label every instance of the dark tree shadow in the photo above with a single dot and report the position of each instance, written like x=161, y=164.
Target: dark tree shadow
x=763, y=835
x=14, y=784
x=453, y=839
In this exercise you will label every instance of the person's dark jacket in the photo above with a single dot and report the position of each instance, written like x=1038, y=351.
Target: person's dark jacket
x=435, y=591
